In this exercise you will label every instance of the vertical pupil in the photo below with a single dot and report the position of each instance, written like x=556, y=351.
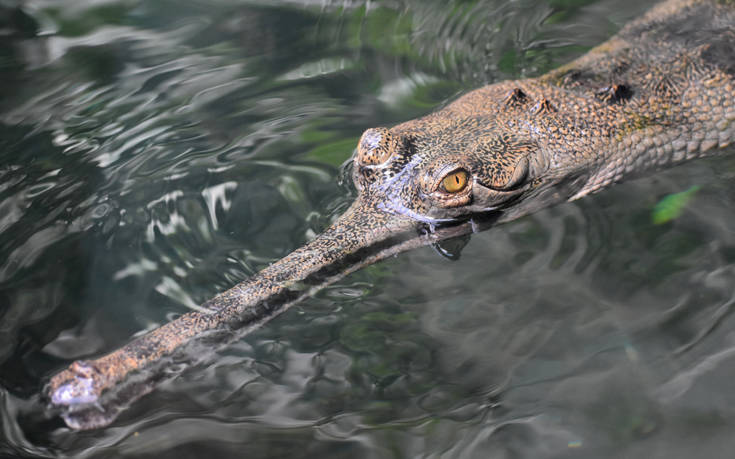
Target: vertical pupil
x=455, y=182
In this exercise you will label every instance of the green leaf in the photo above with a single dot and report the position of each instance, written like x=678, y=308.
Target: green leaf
x=671, y=206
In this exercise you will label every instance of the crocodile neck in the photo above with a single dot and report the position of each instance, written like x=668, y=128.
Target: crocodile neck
x=660, y=92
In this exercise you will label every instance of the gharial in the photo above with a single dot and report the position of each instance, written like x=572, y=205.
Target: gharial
x=659, y=92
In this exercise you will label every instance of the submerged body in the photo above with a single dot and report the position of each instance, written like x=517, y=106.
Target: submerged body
x=660, y=92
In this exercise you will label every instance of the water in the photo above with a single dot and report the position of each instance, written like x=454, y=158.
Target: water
x=154, y=153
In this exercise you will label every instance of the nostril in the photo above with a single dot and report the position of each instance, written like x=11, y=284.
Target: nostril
x=75, y=392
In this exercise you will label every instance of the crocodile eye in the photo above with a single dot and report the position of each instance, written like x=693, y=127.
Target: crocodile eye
x=455, y=182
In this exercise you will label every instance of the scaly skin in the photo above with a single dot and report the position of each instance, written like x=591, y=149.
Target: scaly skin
x=660, y=92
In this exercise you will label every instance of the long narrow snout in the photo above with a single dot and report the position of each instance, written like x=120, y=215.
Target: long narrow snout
x=90, y=394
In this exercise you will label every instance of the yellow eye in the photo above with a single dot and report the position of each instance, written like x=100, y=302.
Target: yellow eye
x=455, y=182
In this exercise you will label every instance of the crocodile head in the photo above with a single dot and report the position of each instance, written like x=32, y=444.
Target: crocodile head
x=443, y=173
x=453, y=172
x=483, y=156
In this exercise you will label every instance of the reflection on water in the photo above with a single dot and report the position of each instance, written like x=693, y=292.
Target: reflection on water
x=155, y=153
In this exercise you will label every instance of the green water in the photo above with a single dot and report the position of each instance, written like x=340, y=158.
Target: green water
x=155, y=153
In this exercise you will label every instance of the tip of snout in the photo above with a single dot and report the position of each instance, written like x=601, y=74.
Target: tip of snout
x=78, y=404
x=74, y=395
x=74, y=386
x=75, y=392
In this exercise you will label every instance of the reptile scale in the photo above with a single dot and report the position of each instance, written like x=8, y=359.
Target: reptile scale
x=660, y=92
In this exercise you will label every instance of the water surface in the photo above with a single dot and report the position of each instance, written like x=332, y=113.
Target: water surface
x=155, y=153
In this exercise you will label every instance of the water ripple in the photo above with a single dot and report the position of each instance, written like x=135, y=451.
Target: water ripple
x=155, y=153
